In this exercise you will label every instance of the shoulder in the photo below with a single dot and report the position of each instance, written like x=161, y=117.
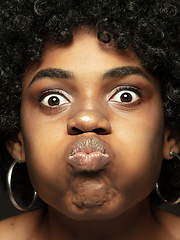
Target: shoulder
x=21, y=226
x=169, y=223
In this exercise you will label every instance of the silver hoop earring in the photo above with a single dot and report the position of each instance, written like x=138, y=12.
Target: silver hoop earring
x=157, y=186
x=9, y=175
x=174, y=154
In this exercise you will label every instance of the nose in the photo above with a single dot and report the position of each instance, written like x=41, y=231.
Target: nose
x=88, y=121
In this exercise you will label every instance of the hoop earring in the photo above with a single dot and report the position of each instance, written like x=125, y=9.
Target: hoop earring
x=157, y=186
x=13, y=201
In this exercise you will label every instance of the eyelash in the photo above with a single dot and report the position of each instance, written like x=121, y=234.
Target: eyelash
x=47, y=93
x=59, y=92
x=128, y=89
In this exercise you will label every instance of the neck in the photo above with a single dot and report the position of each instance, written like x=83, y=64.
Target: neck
x=136, y=223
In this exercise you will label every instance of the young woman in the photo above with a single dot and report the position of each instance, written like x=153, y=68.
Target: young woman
x=90, y=114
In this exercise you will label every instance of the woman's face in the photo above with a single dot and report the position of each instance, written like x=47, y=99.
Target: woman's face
x=92, y=125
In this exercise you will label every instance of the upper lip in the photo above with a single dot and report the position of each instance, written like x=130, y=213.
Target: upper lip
x=88, y=154
x=88, y=145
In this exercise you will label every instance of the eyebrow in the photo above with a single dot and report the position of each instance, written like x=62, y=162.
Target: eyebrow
x=113, y=73
x=125, y=71
x=52, y=73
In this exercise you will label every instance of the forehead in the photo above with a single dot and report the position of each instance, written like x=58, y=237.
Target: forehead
x=84, y=56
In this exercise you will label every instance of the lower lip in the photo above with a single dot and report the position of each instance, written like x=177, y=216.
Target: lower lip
x=93, y=161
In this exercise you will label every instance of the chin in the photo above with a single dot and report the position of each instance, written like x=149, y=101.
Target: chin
x=104, y=211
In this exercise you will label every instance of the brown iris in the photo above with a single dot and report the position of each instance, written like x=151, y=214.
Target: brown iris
x=52, y=101
x=126, y=97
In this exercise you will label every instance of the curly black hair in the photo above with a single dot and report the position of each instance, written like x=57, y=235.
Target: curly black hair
x=150, y=28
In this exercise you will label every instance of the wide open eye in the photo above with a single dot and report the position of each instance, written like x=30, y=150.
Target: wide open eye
x=53, y=99
x=126, y=96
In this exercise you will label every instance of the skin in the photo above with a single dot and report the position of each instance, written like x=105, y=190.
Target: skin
x=107, y=203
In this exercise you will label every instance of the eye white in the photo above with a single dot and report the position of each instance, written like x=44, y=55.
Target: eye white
x=125, y=96
x=54, y=100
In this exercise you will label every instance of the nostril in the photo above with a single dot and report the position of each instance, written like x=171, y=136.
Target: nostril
x=100, y=131
x=76, y=131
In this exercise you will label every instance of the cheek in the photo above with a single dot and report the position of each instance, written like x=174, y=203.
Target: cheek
x=44, y=143
x=48, y=174
x=138, y=144
x=43, y=165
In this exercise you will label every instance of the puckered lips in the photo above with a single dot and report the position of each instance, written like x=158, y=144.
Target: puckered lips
x=88, y=154
x=89, y=157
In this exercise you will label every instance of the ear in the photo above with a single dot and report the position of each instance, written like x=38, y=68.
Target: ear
x=15, y=146
x=171, y=141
